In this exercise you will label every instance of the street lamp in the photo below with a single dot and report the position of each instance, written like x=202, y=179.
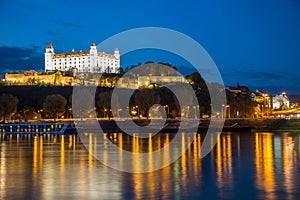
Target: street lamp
x=104, y=112
x=228, y=106
x=168, y=110
x=223, y=108
x=195, y=109
x=138, y=110
x=119, y=110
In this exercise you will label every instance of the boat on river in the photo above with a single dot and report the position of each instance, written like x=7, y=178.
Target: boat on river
x=37, y=128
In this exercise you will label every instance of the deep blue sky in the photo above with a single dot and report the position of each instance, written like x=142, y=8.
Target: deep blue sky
x=255, y=43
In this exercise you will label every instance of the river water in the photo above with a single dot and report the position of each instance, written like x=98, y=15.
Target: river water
x=246, y=165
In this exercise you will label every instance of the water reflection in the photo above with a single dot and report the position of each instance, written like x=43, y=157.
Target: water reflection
x=224, y=162
x=48, y=167
x=264, y=160
x=290, y=163
x=3, y=171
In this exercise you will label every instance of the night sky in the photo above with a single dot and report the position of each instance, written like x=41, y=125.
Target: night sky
x=255, y=43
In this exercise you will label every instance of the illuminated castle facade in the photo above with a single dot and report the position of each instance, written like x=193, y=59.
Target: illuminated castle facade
x=89, y=61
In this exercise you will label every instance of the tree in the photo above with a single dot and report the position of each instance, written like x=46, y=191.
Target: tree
x=54, y=105
x=241, y=105
x=27, y=113
x=8, y=106
x=104, y=103
x=201, y=90
x=84, y=102
x=145, y=98
x=197, y=82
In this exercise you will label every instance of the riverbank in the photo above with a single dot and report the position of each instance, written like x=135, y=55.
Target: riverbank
x=171, y=126
x=230, y=125
x=270, y=124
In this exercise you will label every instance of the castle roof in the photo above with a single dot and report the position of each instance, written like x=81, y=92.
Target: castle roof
x=71, y=54
x=81, y=53
x=78, y=54
x=49, y=46
x=102, y=54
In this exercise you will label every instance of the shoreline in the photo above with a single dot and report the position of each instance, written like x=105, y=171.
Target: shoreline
x=172, y=125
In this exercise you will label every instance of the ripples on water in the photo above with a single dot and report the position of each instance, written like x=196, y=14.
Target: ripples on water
x=241, y=166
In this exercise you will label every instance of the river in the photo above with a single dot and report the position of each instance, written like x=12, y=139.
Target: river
x=246, y=165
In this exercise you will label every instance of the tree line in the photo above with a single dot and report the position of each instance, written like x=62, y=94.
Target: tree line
x=26, y=103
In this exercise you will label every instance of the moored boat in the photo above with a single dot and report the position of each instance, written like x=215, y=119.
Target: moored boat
x=36, y=128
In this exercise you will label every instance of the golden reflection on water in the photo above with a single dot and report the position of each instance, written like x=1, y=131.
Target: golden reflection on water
x=166, y=170
x=120, y=145
x=90, y=151
x=35, y=152
x=273, y=154
x=62, y=154
x=196, y=161
x=150, y=150
x=2, y=171
x=289, y=162
x=264, y=162
x=105, y=148
x=167, y=149
x=41, y=150
x=70, y=142
x=224, y=162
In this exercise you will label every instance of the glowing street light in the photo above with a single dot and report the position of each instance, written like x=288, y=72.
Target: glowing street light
x=228, y=106
x=105, y=110
x=168, y=110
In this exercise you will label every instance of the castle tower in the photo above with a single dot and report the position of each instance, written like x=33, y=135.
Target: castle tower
x=117, y=56
x=93, y=57
x=48, y=57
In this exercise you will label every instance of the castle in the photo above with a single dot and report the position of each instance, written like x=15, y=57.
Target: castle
x=89, y=61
